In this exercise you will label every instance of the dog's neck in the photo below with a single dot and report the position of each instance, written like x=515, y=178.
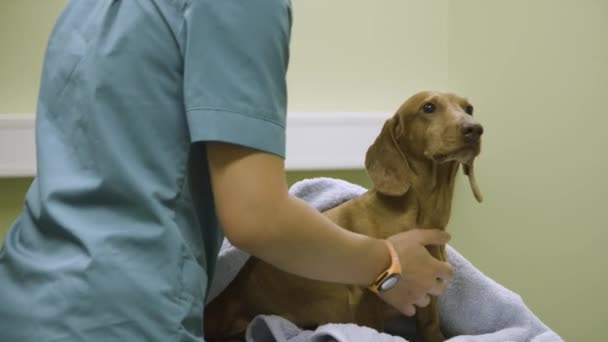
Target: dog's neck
x=433, y=190
x=429, y=196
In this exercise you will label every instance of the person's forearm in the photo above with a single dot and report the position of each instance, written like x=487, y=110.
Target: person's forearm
x=300, y=240
x=259, y=216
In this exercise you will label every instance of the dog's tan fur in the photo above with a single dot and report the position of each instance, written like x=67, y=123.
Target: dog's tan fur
x=412, y=165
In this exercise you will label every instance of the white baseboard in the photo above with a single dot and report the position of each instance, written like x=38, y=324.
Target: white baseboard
x=315, y=141
x=330, y=140
x=17, y=145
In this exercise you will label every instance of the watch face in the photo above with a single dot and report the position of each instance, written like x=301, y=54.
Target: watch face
x=389, y=282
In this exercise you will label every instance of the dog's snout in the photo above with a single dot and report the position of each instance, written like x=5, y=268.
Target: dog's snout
x=471, y=131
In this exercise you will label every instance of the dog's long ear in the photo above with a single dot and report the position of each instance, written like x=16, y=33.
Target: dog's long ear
x=385, y=163
x=469, y=171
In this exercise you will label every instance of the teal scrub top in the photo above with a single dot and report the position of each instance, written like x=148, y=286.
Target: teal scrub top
x=118, y=237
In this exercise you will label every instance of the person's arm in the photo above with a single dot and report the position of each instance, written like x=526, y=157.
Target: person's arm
x=235, y=63
x=260, y=217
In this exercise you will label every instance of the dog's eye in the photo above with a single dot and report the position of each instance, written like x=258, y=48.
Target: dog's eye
x=428, y=107
x=469, y=109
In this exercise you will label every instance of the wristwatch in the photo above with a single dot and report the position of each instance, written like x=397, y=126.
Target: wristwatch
x=389, y=278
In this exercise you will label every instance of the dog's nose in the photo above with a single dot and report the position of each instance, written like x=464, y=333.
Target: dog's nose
x=471, y=132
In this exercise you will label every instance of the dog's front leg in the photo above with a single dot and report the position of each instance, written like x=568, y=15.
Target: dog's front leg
x=427, y=322
x=427, y=318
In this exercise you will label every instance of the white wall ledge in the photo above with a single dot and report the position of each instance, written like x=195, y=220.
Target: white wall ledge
x=17, y=145
x=315, y=141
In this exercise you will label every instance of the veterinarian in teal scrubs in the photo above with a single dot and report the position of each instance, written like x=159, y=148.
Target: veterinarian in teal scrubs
x=121, y=209
x=119, y=235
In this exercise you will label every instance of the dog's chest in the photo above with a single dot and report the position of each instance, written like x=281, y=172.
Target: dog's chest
x=414, y=210
x=433, y=210
x=382, y=216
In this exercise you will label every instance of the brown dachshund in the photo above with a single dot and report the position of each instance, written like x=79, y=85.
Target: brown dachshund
x=412, y=165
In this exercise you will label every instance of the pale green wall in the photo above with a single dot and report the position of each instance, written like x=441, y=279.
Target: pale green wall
x=12, y=193
x=537, y=72
x=366, y=61
x=365, y=55
x=24, y=29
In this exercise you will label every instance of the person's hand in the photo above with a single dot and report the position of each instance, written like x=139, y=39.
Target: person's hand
x=421, y=274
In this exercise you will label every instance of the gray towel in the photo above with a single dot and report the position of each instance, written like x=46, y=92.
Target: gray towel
x=473, y=308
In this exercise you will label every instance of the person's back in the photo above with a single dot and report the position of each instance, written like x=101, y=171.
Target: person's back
x=118, y=230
